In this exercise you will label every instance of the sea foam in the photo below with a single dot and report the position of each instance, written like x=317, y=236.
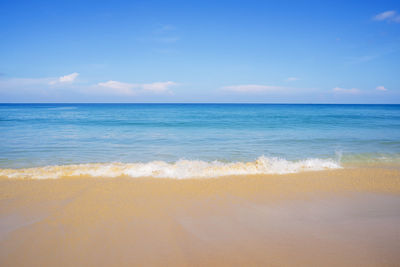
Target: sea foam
x=180, y=170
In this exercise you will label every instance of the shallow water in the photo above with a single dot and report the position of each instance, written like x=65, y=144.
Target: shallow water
x=36, y=135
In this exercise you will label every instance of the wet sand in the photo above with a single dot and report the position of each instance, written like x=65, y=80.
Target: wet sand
x=330, y=218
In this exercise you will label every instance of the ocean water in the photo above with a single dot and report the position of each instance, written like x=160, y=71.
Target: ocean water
x=192, y=140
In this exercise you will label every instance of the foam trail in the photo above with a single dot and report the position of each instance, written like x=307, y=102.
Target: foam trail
x=180, y=170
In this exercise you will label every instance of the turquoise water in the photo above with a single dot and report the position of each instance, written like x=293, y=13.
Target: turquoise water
x=35, y=135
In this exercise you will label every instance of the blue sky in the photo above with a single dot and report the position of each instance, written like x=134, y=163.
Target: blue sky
x=200, y=51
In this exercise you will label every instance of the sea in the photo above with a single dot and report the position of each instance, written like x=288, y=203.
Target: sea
x=44, y=141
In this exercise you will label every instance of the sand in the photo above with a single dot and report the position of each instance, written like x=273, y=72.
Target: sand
x=332, y=218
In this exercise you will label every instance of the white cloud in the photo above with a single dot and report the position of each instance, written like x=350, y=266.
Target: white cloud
x=52, y=85
x=346, y=91
x=390, y=15
x=35, y=87
x=35, y=82
x=385, y=15
x=119, y=87
x=252, y=88
x=133, y=88
x=68, y=78
x=381, y=88
x=292, y=79
x=158, y=87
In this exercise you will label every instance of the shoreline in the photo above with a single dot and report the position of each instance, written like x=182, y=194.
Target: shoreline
x=194, y=169
x=346, y=217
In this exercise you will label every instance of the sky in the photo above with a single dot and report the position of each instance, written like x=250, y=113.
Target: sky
x=200, y=51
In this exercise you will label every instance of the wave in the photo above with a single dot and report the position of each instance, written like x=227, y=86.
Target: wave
x=180, y=170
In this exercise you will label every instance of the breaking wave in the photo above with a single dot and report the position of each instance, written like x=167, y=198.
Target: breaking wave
x=180, y=170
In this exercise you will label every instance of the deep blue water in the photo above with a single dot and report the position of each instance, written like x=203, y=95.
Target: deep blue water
x=56, y=134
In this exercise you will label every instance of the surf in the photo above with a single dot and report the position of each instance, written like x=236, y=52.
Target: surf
x=181, y=169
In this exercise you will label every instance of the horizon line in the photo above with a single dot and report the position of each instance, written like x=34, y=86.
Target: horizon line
x=199, y=103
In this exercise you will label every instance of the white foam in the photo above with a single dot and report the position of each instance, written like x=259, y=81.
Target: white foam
x=180, y=170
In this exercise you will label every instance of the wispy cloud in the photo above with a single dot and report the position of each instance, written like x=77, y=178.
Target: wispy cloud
x=118, y=87
x=165, y=28
x=372, y=56
x=166, y=33
x=253, y=88
x=390, y=16
x=381, y=88
x=292, y=79
x=346, y=91
x=52, y=81
x=134, y=88
x=70, y=78
x=35, y=88
x=163, y=34
x=158, y=87
x=66, y=84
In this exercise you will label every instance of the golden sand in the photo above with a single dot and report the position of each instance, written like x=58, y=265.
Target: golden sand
x=329, y=218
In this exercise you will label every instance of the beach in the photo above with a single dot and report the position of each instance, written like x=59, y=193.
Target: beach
x=199, y=185
x=333, y=218
x=199, y=133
